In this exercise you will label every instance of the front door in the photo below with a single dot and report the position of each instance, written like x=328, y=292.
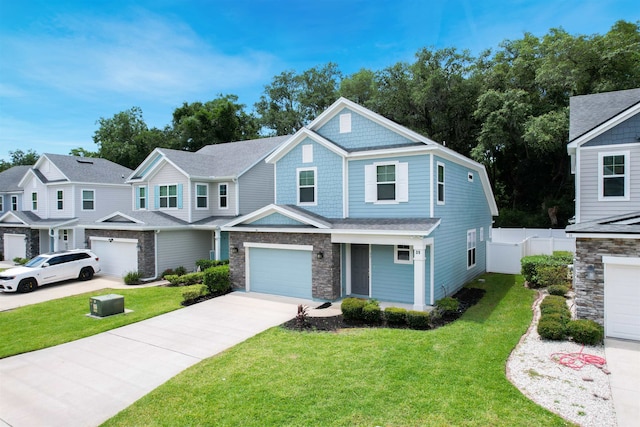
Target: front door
x=360, y=270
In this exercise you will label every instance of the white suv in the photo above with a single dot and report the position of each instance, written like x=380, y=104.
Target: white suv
x=49, y=268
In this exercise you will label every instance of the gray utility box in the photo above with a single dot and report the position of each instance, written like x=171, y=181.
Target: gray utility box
x=106, y=305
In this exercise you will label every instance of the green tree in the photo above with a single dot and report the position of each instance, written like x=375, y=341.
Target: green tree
x=293, y=100
x=19, y=158
x=81, y=152
x=220, y=120
x=359, y=87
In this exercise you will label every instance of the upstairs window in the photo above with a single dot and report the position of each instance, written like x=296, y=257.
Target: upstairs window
x=168, y=196
x=34, y=201
x=60, y=200
x=223, y=196
x=440, y=190
x=471, y=248
x=614, y=176
x=202, y=196
x=141, y=199
x=1, y=203
x=386, y=182
x=306, y=186
x=88, y=200
x=14, y=203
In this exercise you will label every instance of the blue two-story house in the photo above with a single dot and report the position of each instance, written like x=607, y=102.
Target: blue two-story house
x=365, y=207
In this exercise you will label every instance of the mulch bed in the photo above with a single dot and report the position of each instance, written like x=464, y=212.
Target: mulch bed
x=467, y=297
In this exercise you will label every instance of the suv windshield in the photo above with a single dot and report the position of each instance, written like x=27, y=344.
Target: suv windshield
x=35, y=262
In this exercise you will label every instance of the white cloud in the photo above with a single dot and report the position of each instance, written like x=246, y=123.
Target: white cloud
x=148, y=56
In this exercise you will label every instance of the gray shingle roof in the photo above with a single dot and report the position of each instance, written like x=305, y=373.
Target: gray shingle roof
x=155, y=219
x=619, y=224
x=590, y=111
x=10, y=178
x=233, y=158
x=90, y=169
x=35, y=221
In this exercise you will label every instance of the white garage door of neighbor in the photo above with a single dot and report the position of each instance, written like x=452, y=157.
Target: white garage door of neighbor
x=117, y=256
x=14, y=246
x=280, y=271
x=622, y=297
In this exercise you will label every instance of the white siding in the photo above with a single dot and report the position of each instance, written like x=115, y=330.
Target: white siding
x=590, y=207
x=168, y=175
x=34, y=185
x=107, y=199
x=67, y=205
x=256, y=188
x=50, y=171
x=183, y=248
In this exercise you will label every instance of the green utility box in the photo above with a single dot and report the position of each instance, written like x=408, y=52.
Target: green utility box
x=106, y=305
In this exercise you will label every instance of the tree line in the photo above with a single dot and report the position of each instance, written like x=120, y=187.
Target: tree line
x=506, y=108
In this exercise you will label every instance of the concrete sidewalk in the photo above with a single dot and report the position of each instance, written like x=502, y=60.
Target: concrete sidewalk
x=623, y=360
x=85, y=382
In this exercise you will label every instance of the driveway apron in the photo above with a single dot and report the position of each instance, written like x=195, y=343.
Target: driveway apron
x=623, y=360
x=85, y=382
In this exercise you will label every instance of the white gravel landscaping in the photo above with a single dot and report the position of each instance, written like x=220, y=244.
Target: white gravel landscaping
x=581, y=396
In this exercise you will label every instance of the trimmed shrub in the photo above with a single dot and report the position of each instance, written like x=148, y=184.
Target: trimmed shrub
x=180, y=271
x=204, y=264
x=551, y=329
x=371, y=312
x=132, y=278
x=217, y=279
x=185, y=279
x=552, y=275
x=395, y=316
x=352, y=308
x=558, y=290
x=564, y=256
x=585, y=331
x=554, y=300
x=193, y=292
x=418, y=319
x=20, y=261
x=168, y=272
x=448, y=305
x=544, y=270
x=563, y=318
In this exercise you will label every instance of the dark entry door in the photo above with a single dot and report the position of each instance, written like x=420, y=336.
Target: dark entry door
x=360, y=270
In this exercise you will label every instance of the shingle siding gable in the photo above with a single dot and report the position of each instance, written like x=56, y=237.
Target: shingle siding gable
x=627, y=132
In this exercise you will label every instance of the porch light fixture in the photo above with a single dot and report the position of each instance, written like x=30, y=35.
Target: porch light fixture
x=591, y=272
x=235, y=249
x=320, y=255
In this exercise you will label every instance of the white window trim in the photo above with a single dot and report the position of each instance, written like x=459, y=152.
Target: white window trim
x=1, y=203
x=206, y=196
x=397, y=260
x=168, y=197
x=64, y=235
x=401, y=183
x=470, y=176
x=315, y=186
x=82, y=199
x=146, y=197
x=226, y=184
x=34, y=201
x=59, y=200
x=627, y=164
x=470, y=233
x=444, y=180
x=14, y=203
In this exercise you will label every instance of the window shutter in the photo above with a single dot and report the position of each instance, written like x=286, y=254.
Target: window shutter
x=137, y=198
x=179, y=196
x=402, y=182
x=370, y=192
x=156, y=193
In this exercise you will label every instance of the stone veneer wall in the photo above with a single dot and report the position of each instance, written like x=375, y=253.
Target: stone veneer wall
x=146, y=241
x=33, y=240
x=590, y=293
x=325, y=272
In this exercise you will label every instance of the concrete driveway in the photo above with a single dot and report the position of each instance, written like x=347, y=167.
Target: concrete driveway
x=85, y=382
x=11, y=300
x=623, y=360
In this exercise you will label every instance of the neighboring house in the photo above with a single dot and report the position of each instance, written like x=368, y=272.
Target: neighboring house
x=368, y=208
x=177, y=202
x=11, y=200
x=56, y=196
x=604, y=147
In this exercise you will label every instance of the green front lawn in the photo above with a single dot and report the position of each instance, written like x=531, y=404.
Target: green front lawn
x=454, y=375
x=55, y=322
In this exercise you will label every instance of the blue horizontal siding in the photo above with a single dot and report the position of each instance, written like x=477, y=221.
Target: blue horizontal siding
x=364, y=133
x=390, y=281
x=418, y=204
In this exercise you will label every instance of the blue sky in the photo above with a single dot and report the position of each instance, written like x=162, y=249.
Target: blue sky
x=65, y=64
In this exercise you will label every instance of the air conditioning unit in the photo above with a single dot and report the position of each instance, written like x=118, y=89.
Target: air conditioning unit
x=106, y=305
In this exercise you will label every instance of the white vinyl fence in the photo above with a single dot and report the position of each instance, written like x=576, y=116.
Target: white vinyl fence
x=508, y=245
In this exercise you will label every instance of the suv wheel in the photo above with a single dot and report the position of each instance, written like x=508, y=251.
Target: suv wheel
x=27, y=285
x=86, y=273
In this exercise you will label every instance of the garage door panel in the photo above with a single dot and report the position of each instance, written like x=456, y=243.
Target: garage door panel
x=117, y=258
x=280, y=272
x=622, y=301
x=14, y=246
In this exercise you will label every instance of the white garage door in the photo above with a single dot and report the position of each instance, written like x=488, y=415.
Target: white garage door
x=280, y=270
x=117, y=256
x=15, y=245
x=622, y=297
